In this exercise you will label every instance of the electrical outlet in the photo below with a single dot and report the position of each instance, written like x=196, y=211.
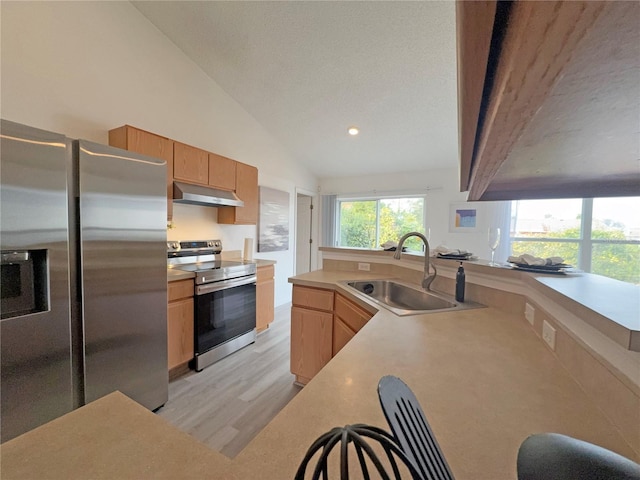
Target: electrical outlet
x=364, y=266
x=549, y=334
x=529, y=312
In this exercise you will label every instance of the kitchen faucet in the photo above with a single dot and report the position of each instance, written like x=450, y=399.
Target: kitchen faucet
x=428, y=279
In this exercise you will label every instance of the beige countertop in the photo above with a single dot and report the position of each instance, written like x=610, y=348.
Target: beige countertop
x=483, y=378
x=609, y=305
x=175, y=274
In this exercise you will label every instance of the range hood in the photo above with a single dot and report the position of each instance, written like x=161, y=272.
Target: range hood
x=207, y=196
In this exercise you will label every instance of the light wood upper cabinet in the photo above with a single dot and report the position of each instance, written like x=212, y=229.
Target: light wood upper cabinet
x=247, y=191
x=548, y=99
x=145, y=143
x=222, y=172
x=265, y=291
x=193, y=165
x=190, y=164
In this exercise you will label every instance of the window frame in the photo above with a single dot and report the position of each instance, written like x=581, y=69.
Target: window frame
x=377, y=199
x=584, y=241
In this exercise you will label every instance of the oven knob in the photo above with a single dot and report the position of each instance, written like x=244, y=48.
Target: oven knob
x=173, y=245
x=211, y=243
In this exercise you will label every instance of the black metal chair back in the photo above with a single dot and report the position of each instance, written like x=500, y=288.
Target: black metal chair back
x=411, y=429
x=365, y=439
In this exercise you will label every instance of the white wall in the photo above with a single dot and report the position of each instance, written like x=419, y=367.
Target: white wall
x=83, y=68
x=441, y=190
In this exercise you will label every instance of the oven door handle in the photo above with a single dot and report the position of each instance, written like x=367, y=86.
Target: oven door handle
x=224, y=284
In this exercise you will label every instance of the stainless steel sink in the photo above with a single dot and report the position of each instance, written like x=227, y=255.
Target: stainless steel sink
x=404, y=299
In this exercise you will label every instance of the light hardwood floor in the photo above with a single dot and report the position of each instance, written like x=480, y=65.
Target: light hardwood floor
x=229, y=402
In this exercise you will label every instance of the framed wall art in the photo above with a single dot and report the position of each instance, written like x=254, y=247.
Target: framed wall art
x=273, y=221
x=463, y=218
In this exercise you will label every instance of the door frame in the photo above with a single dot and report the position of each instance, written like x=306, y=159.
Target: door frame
x=314, y=227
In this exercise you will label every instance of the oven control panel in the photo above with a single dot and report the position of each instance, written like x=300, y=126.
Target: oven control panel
x=194, y=247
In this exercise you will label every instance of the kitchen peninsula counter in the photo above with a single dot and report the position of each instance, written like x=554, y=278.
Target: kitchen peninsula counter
x=609, y=305
x=483, y=377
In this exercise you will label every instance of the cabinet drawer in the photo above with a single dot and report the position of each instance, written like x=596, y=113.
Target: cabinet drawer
x=265, y=273
x=316, y=298
x=351, y=314
x=180, y=289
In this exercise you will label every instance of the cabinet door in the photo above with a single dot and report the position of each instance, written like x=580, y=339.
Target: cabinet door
x=341, y=334
x=222, y=172
x=139, y=141
x=190, y=164
x=354, y=316
x=180, y=332
x=247, y=191
x=265, y=290
x=311, y=342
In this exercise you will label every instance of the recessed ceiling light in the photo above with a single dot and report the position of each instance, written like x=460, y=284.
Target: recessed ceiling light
x=353, y=130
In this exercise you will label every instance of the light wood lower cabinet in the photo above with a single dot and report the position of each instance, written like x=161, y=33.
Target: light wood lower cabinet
x=322, y=322
x=341, y=334
x=348, y=319
x=265, y=292
x=311, y=331
x=180, y=323
x=311, y=342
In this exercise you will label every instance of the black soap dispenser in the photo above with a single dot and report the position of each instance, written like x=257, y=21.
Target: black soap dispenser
x=460, y=284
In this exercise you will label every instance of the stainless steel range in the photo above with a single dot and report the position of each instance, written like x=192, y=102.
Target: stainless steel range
x=225, y=299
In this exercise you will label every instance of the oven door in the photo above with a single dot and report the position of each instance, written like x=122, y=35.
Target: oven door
x=223, y=311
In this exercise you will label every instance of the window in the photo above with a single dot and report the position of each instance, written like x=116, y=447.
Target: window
x=599, y=235
x=370, y=222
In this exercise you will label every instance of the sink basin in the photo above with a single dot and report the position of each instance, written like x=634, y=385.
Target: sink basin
x=404, y=299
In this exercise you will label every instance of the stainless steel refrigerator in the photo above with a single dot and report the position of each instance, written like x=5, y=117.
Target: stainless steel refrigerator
x=83, y=288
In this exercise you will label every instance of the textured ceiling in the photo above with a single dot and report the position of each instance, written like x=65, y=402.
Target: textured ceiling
x=308, y=70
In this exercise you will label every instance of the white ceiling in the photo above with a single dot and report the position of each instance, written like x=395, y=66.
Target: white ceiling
x=308, y=70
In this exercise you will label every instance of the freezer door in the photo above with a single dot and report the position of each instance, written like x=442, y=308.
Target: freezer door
x=35, y=346
x=122, y=209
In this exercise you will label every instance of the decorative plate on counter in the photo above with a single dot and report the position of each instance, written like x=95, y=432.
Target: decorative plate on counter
x=558, y=269
x=455, y=256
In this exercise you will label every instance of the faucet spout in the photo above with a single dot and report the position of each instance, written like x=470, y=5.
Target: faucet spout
x=427, y=279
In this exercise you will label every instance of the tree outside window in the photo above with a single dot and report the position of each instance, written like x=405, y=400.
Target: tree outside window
x=368, y=223
x=599, y=235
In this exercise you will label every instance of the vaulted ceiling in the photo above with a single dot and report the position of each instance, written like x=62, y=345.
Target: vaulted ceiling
x=306, y=71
